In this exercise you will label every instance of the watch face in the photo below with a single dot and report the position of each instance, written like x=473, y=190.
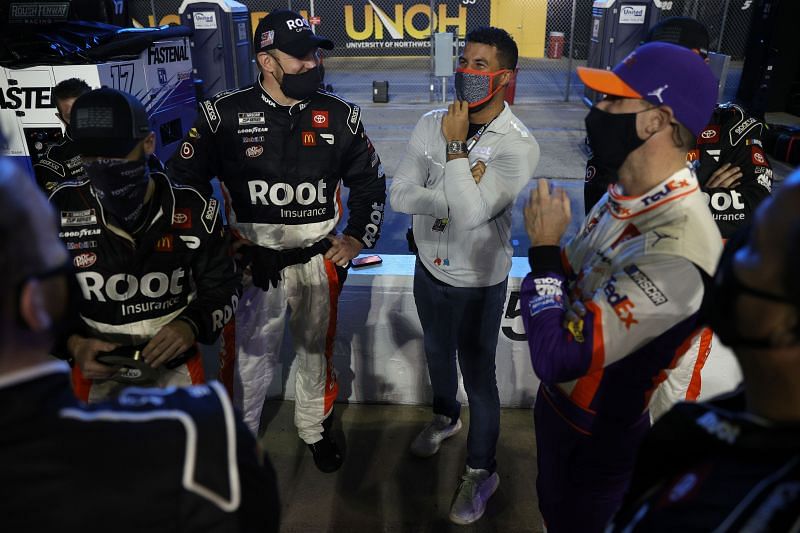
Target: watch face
x=456, y=147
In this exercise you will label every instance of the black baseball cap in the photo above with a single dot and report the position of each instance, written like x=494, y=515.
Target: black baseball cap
x=288, y=32
x=108, y=123
x=683, y=31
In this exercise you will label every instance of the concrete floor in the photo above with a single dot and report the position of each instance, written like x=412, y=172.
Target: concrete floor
x=382, y=488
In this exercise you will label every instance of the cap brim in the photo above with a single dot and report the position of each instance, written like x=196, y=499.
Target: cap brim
x=605, y=81
x=304, y=46
x=112, y=148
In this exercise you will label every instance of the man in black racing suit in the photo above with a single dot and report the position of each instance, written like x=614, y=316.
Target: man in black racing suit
x=730, y=162
x=155, y=460
x=151, y=258
x=280, y=149
x=62, y=161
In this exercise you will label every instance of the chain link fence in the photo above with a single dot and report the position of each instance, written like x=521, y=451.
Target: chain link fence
x=390, y=40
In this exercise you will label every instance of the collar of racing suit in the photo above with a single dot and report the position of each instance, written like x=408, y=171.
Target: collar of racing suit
x=293, y=109
x=160, y=214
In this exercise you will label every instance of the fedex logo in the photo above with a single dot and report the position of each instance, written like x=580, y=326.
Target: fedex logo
x=621, y=304
x=672, y=185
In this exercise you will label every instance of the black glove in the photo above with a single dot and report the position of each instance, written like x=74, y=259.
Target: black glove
x=265, y=266
x=412, y=243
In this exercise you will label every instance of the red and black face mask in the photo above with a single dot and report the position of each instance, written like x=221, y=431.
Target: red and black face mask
x=477, y=87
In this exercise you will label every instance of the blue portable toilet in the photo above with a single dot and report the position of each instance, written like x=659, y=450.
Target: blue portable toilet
x=618, y=27
x=221, y=45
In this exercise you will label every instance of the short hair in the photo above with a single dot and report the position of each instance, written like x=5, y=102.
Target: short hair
x=507, y=52
x=71, y=88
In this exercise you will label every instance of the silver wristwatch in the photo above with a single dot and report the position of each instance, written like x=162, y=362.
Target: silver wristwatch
x=456, y=147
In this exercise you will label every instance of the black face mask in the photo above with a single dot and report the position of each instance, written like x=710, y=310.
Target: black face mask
x=720, y=309
x=120, y=187
x=612, y=137
x=301, y=86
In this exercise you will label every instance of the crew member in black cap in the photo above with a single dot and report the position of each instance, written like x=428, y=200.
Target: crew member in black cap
x=154, y=460
x=62, y=162
x=151, y=258
x=281, y=149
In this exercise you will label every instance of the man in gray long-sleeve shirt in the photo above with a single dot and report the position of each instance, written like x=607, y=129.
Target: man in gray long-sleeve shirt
x=461, y=173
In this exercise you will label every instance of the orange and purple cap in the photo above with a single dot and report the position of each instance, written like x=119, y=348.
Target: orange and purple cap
x=662, y=74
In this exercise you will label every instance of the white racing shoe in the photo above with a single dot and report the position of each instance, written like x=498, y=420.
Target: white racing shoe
x=430, y=439
x=475, y=489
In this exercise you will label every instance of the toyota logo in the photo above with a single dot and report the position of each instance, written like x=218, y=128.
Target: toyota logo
x=708, y=134
x=319, y=119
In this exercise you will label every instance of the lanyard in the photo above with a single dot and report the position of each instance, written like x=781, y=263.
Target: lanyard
x=475, y=138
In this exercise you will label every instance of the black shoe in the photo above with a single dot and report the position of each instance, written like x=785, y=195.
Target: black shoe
x=326, y=454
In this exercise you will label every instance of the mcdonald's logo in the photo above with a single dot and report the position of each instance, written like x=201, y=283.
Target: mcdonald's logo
x=164, y=244
x=309, y=138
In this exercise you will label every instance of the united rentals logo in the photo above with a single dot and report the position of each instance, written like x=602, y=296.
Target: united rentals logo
x=309, y=138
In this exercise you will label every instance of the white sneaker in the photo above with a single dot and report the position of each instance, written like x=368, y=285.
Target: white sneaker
x=429, y=440
x=469, y=501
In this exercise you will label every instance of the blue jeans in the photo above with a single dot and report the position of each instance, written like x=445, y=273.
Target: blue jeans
x=464, y=320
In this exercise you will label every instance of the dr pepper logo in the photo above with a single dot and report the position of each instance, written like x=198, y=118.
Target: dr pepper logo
x=254, y=151
x=319, y=119
x=84, y=260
